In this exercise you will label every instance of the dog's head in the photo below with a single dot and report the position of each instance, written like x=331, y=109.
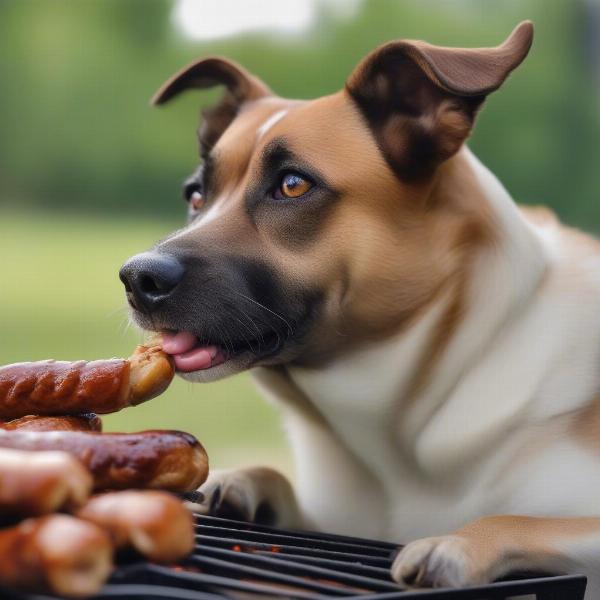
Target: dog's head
x=312, y=225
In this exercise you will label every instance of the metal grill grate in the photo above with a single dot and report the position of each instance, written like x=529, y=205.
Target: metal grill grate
x=242, y=561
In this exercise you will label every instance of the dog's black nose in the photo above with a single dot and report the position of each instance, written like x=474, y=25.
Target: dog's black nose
x=149, y=278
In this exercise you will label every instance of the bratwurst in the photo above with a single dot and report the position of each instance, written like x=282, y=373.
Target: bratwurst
x=86, y=422
x=155, y=524
x=168, y=460
x=57, y=552
x=37, y=483
x=51, y=387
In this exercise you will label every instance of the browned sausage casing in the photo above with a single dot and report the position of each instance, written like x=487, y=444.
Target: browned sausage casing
x=51, y=387
x=87, y=422
x=155, y=524
x=168, y=460
x=37, y=483
x=59, y=553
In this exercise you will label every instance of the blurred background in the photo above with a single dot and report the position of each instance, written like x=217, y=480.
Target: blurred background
x=89, y=174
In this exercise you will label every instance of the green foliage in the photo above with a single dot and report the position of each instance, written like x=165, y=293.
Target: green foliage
x=77, y=132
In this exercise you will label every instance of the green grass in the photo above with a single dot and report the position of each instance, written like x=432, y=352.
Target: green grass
x=61, y=297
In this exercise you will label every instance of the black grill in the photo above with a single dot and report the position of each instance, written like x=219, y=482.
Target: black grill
x=243, y=561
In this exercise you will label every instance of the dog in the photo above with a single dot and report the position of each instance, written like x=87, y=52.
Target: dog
x=433, y=348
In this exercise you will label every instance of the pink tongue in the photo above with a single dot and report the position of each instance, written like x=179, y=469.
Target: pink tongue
x=178, y=343
x=188, y=357
x=196, y=359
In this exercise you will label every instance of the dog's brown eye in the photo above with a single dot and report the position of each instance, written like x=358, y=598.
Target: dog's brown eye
x=293, y=186
x=196, y=200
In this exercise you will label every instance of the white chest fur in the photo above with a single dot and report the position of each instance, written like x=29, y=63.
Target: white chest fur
x=359, y=397
x=359, y=394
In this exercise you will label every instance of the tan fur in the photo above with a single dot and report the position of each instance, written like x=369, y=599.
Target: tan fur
x=374, y=213
x=585, y=426
x=490, y=548
x=452, y=194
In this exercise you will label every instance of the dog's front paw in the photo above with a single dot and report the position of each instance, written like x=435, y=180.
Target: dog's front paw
x=231, y=494
x=256, y=494
x=447, y=561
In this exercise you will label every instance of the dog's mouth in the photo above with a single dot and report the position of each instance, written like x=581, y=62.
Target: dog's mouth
x=191, y=353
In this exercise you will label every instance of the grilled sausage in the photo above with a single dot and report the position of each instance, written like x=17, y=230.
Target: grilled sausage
x=169, y=460
x=52, y=387
x=68, y=556
x=86, y=422
x=155, y=524
x=37, y=483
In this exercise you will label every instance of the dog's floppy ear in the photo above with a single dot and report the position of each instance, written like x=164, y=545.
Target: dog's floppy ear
x=240, y=87
x=421, y=100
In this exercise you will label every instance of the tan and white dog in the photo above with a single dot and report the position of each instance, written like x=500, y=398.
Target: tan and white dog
x=434, y=349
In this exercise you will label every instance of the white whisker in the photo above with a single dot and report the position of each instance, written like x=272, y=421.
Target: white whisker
x=290, y=328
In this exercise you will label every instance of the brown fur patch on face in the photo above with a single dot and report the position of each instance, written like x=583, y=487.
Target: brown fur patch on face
x=223, y=224
x=385, y=249
x=239, y=144
x=377, y=255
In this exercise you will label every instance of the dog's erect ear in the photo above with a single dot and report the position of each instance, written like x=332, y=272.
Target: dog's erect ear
x=421, y=100
x=240, y=86
x=210, y=72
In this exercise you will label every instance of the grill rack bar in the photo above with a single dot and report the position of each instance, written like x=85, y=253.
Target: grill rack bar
x=246, y=526
x=291, y=550
x=241, y=561
x=215, y=584
x=561, y=587
x=273, y=574
x=359, y=568
x=291, y=567
x=288, y=540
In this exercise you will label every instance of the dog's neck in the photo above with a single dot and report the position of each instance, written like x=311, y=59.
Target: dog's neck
x=379, y=381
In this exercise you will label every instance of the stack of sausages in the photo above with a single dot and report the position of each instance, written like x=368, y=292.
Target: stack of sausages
x=59, y=473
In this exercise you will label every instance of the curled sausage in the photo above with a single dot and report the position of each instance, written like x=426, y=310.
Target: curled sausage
x=37, y=483
x=169, y=460
x=86, y=422
x=53, y=387
x=57, y=552
x=155, y=524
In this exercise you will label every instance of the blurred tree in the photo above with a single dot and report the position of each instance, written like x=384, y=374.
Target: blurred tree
x=76, y=132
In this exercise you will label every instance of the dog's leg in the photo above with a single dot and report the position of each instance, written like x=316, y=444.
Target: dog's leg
x=258, y=494
x=493, y=546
